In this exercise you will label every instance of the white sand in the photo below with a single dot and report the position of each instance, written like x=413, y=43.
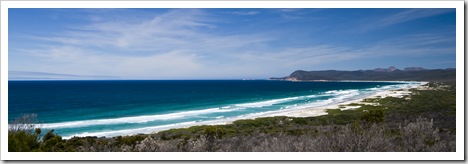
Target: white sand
x=305, y=112
x=321, y=110
x=318, y=111
x=301, y=112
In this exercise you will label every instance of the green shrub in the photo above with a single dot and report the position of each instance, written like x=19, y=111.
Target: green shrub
x=300, y=121
x=22, y=141
x=129, y=140
x=373, y=116
x=23, y=136
x=52, y=142
x=213, y=131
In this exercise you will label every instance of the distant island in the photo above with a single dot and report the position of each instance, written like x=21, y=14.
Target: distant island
x=378, y=74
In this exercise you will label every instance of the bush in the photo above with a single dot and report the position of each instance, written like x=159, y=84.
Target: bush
x=129, y=140
x=22, y=141
x=26, y=122
x=23, y=136
x=373, y=116
x=52, y=142
x=300, y=121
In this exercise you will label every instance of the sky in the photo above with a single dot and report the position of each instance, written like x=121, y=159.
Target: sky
x=224, y=43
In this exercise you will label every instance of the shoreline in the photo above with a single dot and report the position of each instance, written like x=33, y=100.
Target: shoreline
x=321, y=110
x=346, y=105
x=383, y=81
x=313, y=111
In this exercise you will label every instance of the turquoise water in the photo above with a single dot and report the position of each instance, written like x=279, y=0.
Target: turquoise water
x=110, y=108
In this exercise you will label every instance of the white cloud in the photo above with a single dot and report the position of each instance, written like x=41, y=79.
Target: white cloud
x=87, y=62
x=316, y=56
x=411, y=14
x=218, y=57
x=288, y=10
x=169, y=45
x=245, y=13
x=181, y=44
x=176, y=29
x=404, y=16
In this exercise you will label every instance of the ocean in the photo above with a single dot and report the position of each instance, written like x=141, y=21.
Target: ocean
x=124, y=107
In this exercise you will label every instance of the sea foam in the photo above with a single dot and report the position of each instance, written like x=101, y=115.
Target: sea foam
x=135, y=119
x=170, y=116
x=288, y=103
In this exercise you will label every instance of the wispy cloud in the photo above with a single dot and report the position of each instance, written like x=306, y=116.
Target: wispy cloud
x=405, y=16
x=170, y=45
x=245, y=12
x=177, y=52
x=176, y=29
x=192, y=43
x=317, y=56
x=288, y=10
x=75, y=60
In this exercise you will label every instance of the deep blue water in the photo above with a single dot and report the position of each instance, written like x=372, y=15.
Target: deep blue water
x=109, y=108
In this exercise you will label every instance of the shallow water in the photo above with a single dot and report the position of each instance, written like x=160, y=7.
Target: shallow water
x=110, y=108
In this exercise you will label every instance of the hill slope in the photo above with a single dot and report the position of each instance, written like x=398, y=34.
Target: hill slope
x=374, y=75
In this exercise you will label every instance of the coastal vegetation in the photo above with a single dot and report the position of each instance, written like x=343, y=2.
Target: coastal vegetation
x=422, y=121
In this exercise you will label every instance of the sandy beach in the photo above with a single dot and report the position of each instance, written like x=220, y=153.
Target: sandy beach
x=321, y=110
x=318, y=111
x=312, y=111
x=299, y=111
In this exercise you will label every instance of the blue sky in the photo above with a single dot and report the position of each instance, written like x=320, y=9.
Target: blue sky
x=226, y=43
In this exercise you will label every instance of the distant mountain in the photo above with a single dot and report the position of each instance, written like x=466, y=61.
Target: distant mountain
x=389, y=69
x=378, y=74
x=414, y=69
